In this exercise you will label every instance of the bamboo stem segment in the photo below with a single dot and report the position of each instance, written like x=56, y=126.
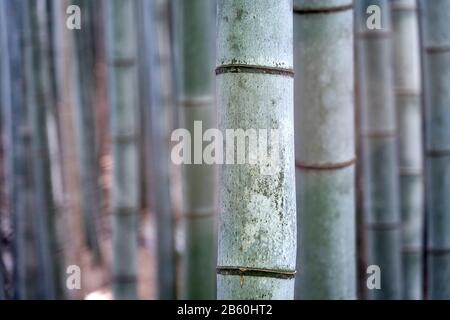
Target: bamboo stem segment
x=84, y=118
x=379, y=148
x=407, y=75
x=156, y=76
x=436, y=35
x=196, y=103
x=257, y=220
x=123, y=93
x=325, y=149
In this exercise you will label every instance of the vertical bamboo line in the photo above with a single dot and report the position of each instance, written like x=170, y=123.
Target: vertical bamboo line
x=18, y=143
x=196, y=103
x=123, y=93
x=67, y=102
x=3, y=58
x=407, y=73
x=85, y=126
x=436, y=50
x=257, y=220
x=157, y=131
x=379, y=148
x=325, y=149
x=38, y=102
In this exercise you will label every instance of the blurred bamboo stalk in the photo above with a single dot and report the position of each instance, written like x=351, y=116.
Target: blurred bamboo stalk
x=325, y=153
x=435, y=16
x=123, y=90
x=379, y=148
x=257, y=211
x=155, y=81
x=67, y=101
x=85, y=123
x=3, y=62
x=39, y=96
x=196, y=36
x=408, y=88
x=16, y=117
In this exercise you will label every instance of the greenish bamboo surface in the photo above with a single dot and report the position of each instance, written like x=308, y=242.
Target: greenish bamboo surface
x=196, y=103
x=3, y=58
x=85, y=123
x=39, y=102
x=154, y=74
x=18, y=149
x=257, y=211
x=407, y=81
x=378, y=129
x=435, y=17
x=325, y=149
x=123, y=93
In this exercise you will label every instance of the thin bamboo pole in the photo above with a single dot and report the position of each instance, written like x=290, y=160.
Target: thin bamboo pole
x=435, y=16
x=157, y=117
x=196, y=102
x=123, y=93
x=18, y=144
x=86, y=130
x=37, y=101
x=409, y=111
x=2, y=278
x=325, y=149
x=379, y=148
x=257, y=220
x=3, y=61
x=67, y=102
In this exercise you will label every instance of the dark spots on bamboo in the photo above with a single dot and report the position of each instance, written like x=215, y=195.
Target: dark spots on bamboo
x=240, y=14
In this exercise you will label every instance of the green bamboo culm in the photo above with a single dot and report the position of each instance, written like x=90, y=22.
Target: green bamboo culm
x=10, y=43
x=85, y=123
x=196, y=103
x=123, y=96
x=18, y=148
x=40, y=102
x=51, y=163
x=154, y=72
x=407, y=81
x=325, y=149
x=257, y=210
x=3, y=59
x=435, y=16
x=378, y=130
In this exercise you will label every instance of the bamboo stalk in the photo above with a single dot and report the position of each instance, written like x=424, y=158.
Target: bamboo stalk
x=409, y=104
x=122, y=57
x=3, y=61
x=379, y=149
x=257, y=220
x=18, y=146
x=157, y=115
x=436, y=50
x=196, y=102
x=325, y=150
x=67, y=92
x=38, y=101
x=86, y=130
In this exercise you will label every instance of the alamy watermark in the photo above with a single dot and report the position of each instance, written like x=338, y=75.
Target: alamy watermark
x=374, y=279
x=232, y=146
x=73, y=281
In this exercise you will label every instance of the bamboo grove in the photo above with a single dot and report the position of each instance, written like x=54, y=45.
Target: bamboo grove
x=224, y=149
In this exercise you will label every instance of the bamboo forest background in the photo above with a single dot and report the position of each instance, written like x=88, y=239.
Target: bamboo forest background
x=93, y=207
